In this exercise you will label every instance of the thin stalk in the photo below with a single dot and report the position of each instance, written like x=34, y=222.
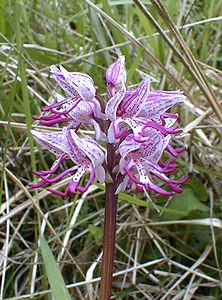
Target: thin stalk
x=109, y=231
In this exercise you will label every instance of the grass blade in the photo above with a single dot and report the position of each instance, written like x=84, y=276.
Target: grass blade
x=56, y=281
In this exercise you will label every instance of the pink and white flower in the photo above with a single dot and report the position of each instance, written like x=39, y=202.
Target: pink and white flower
x=85, y=153
x=78, y=86
x=141, y=164
x=72, y=111
x=135, y=121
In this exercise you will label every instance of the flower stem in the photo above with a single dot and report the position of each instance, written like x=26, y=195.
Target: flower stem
x=109, y=231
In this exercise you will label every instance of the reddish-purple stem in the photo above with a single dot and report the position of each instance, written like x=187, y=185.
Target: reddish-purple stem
x=109, y=231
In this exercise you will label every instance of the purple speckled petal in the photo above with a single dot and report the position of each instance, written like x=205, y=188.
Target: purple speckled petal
x=83, y=112
x=152, y=148
x=93, y=151
x=55, y=142
x=76, y=154
x=111, y=134
x=160, y=101
x=61, y=80
x=116, y=76
x=128, y=145
x=112, y=105
x=135, y=103
x=137, y=126
x=99, y=135
x=89, y=149
x=81, y=82
x=100, y=174
x=74, y=83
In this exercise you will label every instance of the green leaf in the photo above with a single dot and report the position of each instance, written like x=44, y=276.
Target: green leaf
x=99, y=33
x=198, y=188
x=142, y=203
x=96, y=232
x=134, y=65
x=186, y=202
x=199, y=168
x=24, y=82
x=3, y=16
x=56, y=281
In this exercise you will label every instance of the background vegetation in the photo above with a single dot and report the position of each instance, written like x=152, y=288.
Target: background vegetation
x=166, y=248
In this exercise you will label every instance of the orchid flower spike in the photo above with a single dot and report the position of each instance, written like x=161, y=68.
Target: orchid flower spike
x=135, y=122
x=85, y=153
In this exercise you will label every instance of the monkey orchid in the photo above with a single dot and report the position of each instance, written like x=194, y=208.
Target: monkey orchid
x=84, y=153
x=137, y=129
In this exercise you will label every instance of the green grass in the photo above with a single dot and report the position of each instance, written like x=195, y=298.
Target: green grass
x=86, y=36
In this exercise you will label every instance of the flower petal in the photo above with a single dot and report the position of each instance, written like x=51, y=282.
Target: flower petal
x=113, y=103
x=83, y=112
x=93, y=151
x=116, y=76
x=87, y=147
x=74, y=83
x=100, y=174
x=99, y=135
x=134, y=102
x=55, y=142
x=136, y=124
x=123, y=185
x=111, y=134
x=160, y=101
x=128, y=145
x=76, y=153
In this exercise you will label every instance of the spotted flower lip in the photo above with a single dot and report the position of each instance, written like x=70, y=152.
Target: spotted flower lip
x=85, y=153
x=77, y=85
x=140, y=164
